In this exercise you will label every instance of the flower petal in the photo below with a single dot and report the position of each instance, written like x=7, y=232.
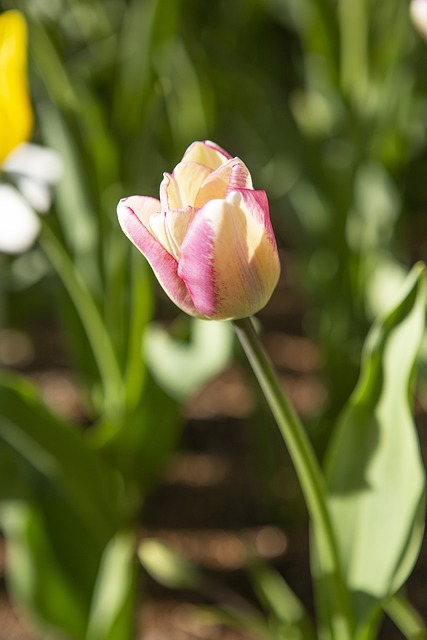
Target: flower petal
x=170, y=228
x=255, y=203
x=231, y=175
x=16, y=116
x=35, y=169
x=19, y=225
x=143, y=207
x=418, y=13
x=35, y=162
x=207, y=153
x=133, y=214
x=38, y=194
x=169, y=193
x=229, y=258
x=184, y=184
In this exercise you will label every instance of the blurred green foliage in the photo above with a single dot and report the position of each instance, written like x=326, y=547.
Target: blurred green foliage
x=326, y=102
x=325, y=107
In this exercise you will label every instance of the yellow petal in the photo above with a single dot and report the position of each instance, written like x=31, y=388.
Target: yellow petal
x=16, y=116
x=206, y=153
x=245, y=262
x=144, y=207
x=170, y=228
x=229, y=176
x=169, y=193
x=188, y=177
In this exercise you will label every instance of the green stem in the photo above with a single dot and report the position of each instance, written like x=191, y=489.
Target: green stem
x=308, y=471
x=90, y=317
x=141, y=312
x=354, y=48
x=405, y=618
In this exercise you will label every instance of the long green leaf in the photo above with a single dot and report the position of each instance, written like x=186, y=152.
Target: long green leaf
x=91, y=319
x=140, y=445
x=406, y=618
x=59, y=509
x=112, y=606
x=174, y=572
x=376, y=479
x=76, y=213
x=281, y=602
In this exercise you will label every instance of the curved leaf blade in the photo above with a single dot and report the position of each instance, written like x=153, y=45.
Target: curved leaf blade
x=374, y=470
x=59, y=509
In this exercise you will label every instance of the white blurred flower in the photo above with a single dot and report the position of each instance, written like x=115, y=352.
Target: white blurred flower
x=19, y=225
x=33, y=169
x=418, y=13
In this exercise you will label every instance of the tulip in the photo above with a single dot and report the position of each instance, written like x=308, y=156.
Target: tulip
x=33, y=168
x=209, y=238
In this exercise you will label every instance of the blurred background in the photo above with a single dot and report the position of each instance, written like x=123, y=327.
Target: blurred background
x=326, y=103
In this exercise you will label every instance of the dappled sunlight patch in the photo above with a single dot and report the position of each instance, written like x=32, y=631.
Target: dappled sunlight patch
x=222, y=550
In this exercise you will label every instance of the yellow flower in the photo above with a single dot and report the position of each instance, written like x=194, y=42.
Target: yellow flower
x=32, y=168
x=16, y=116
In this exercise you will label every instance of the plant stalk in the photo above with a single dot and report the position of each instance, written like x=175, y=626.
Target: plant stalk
x=309, y=473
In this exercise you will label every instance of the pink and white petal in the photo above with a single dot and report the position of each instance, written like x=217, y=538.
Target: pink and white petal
x=19, y=225
x=169, y=193
x=228, y=262
x=196, y=264
x=163, y=264
x=232, y=175
x=255, y=203
x=240, y=178
x=207, y=153
x=158, y=229
x=189, y=176
x=178, y=223
x=170, y=228
x=142, y=206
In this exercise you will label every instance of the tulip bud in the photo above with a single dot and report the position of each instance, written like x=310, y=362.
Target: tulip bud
x=418, y=13
x=209, y=238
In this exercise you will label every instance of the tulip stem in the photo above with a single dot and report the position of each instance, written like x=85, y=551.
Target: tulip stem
x=309, y=473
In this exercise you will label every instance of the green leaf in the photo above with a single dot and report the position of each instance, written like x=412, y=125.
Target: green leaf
x=144, y=29
x=183, y=368
x=174, y=572
x=141, y=311
x=167, y=567
x=375, y=474
x=76, y=213
x=185, y=104
x=38, y=566
x=405, y=618
x=92, y=322
x=250, y=622
x=58, y=507
x=281, y=602
x=111, y=615
x=139, y=445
